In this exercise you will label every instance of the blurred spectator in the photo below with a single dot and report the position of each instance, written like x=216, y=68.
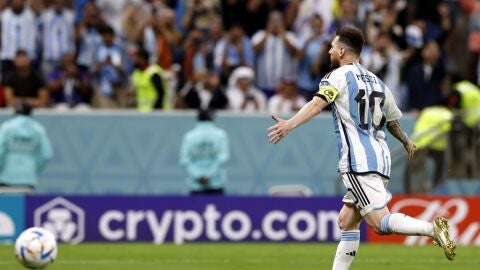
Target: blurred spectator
x=69, y=87
x=150, y=84
x=276, y=50
x=474, y=40
x=386, y=63
x=19, y=32
x=214, y=36
x=204, y=92
x=255, y=16
x=134, y=20
x=232, y=51
x=425, y=79
x=167, y=22
x=113, y=12
x=110, y=70
x=88, y=37
x=160, y=38
x=465, y=98
x=314, y=59
x=57, y=24
x=436, y=14
x=204, y=152
x=193, y=57
x=232, y=12
x=431, y=139
x=199, y=14
x=242, y=95
x=380, y=18
x=287, y=100
x=25, y=84
x=79, y=7
x=299, y=13
x=24, y=150
x=348, y=16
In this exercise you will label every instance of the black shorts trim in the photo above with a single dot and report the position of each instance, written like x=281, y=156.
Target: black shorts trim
x=368, y=172
x=357, y=187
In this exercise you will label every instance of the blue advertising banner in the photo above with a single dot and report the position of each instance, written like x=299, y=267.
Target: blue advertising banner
x=12, y=217
x=76, y=219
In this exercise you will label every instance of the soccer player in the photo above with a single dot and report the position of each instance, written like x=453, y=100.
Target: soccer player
x=363, y=106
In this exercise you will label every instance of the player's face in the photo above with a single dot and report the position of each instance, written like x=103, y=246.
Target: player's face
x=335, y=53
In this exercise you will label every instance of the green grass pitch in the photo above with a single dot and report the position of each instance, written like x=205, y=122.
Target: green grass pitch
x=246, y=257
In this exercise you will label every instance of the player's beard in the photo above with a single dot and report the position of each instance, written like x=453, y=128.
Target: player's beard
x=334, y=62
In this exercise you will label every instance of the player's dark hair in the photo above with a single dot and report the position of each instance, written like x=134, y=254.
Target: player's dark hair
x=352, y=37
x=205, y=115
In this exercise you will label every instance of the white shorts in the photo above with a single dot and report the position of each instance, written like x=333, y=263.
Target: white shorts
x=367, y=191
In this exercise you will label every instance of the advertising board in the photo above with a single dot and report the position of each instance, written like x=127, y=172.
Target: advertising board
x=12, y=217
x=76, y=219
x=463, y=214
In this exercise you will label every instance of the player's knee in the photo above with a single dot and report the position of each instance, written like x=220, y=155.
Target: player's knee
x=341, y=223
x=344, y=225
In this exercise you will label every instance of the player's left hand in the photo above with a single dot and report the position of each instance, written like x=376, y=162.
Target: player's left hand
x=410, y=148
x=279, y=130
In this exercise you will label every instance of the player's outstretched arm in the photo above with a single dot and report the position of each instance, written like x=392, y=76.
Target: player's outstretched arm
x=307, y=112
x=395, y=129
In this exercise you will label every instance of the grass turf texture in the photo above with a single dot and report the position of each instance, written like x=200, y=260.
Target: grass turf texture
x=246, y=257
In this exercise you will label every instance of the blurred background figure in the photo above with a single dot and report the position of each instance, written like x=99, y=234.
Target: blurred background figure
x=193, y=56
x=242, y=95
x=287, y=100
x=110, y=71
x=25, y=149
x=314, y=59
x=276, y=52
x=465, y=99
x=347, y=16
x=88, y=38
x=431, y=133
x=204, y=92
x=204, y=152
x=232, y=51
x=69, y=87
x=19, y=32
x=386, y=62
x=149, y=84
x=426, y=78
x=199, y=14
x=57, y=25
x=25, y=84
x=299, y=13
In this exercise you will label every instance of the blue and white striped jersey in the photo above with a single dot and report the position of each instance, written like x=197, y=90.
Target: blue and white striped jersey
x=58, y=34
x=19, y=31
x=362, y=104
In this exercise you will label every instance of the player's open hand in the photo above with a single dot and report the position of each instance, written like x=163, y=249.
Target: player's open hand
x=410, y=148
x=279, y=130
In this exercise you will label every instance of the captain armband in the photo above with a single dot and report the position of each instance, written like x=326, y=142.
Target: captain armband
x=327, y=92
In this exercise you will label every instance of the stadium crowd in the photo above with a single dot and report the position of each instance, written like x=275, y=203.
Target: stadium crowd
x=239, y=55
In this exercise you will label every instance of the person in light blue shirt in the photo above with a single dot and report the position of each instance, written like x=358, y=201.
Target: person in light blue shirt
x=25, y=149
x=204, y=152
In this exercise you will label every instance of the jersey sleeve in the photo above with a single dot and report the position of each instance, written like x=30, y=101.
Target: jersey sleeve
x=329, y=87
x=392, y=112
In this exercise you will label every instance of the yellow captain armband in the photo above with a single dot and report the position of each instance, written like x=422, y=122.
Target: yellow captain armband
x=327, y=92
